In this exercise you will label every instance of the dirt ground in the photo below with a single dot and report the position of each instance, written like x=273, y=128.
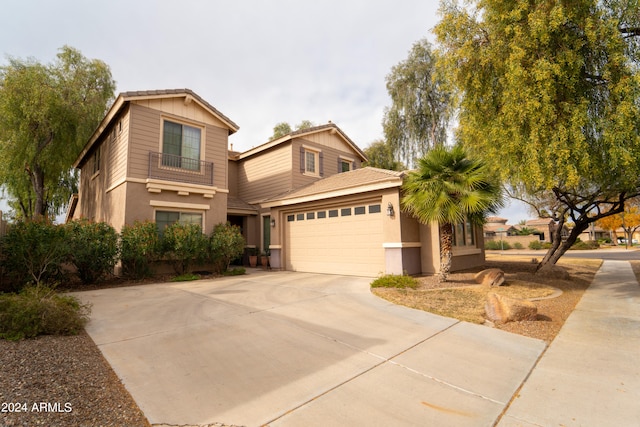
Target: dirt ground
x=552, y=312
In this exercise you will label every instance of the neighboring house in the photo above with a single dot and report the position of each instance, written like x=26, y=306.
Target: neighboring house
x=498, y=227
x=546, y=228
x=304, y=197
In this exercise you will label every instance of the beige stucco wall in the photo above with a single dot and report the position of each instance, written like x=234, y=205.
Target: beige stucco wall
x=142, y=205
x=463, y=258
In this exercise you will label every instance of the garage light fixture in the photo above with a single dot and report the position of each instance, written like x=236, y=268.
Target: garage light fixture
x=390, y=211
x=273, y=222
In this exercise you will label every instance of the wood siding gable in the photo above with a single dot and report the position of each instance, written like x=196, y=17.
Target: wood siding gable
x=266, y=174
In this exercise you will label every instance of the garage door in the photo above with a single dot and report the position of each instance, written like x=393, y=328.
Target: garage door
x=337, y=240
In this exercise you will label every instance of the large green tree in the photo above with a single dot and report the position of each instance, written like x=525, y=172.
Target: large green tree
x=450, y=188
x=47, y=113
x=380, y=155
x=421, y=104
x=550, y=95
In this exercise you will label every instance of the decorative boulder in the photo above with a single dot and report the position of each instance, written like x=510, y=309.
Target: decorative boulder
x=553, y=271
x=490, y=277
x=502, y=309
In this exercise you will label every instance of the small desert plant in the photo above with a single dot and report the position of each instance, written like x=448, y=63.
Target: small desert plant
x=187, y=277
x=535, y=245
x=518, y=245
x=589, y=244
x=38, y=310
x=496, y=245
x=395, y=281
x=237, y=271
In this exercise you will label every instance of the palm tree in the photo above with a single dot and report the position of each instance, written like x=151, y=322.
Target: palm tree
x=449, y=187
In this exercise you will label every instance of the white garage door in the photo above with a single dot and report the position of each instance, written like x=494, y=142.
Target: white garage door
x=337, y=240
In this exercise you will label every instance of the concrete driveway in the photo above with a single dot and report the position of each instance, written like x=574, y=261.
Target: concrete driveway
x=292, y=349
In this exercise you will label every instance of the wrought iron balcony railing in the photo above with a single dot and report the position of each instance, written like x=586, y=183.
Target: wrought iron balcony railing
x=180, y=169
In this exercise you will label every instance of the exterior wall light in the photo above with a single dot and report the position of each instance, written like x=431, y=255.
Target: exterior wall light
x=390, y=211
x=273, y=222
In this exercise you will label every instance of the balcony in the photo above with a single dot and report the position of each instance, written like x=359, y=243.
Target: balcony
x=180, y=169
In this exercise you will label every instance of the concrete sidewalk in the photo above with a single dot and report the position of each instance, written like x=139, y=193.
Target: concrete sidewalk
x=590, y=375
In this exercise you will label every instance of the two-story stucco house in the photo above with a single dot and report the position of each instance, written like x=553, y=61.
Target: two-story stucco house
x=163, y=156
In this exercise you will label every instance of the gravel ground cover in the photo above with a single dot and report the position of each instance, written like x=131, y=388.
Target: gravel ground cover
x=62, y=381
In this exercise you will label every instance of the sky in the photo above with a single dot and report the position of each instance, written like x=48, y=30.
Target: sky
x=258, y=62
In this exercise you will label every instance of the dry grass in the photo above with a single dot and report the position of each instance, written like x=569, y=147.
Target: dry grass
x=463, y=299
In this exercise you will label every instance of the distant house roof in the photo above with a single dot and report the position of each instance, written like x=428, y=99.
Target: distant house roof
x=126, y=97
x=496, y=219
x=352, y=182
x=539, y=222
x=331, y=127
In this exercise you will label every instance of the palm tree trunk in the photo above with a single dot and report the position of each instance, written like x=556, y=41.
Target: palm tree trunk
x=446, y=246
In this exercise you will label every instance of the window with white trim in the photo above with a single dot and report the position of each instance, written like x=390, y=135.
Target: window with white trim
x=181, y=145
x=311, y=161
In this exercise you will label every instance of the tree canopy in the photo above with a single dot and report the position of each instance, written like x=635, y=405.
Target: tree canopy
x=47, y=113
x=283, y=128
x=380, y=155
x=421, y=104
x=549, y=94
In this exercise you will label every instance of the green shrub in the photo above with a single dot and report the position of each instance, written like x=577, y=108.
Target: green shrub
x=395, y=281
x=535, y=245
x=184, y=245
x=237, y=271
x=589, y=244
x=94, y=249
x=496, y=245
x=187, y=277
x=38, y=310
x=518, y=245
x=34, y=252
x=139, y=248
x=226, y=243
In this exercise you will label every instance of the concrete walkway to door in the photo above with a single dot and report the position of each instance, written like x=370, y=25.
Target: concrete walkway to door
x=292, y=349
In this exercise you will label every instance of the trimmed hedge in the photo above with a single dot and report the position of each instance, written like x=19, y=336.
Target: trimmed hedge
x=93, y=249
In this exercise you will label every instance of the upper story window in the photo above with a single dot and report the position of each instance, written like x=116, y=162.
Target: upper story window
x=181, y=146
x=311, y=162
x=345, y=164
